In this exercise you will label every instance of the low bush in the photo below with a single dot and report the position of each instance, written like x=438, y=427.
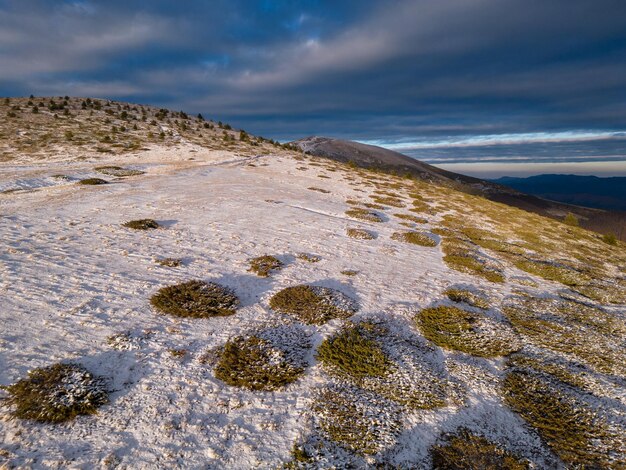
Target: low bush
x=118, y=171
x=56, y=394
x=416, y=238
x=313, y=304
x=465, y=450
x=142, y=224
x=609, y=239
x=360, y=234
x=364, y=214
x=255, y=364
x=571, y=430
x=264, y=265
x=92, y=181
x=461, y=330
x=352, y=352
x=169, y=262
x=356, y=419
x=468, y=297
x=308, y=257
x=195, y=299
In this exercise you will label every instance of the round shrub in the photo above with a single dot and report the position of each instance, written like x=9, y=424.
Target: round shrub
x=93, y=181
x=313, y=304
x=360, y=234
x=354, y=353
x=195, y=299
x=468, y=332
x=254, y=363
x=416, y=238
x=56, y=394
x=142, y=224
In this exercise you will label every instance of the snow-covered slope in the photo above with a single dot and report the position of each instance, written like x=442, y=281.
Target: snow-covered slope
x=76, y=286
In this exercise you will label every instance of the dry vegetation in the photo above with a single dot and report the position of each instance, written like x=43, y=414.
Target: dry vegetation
x=195, y=299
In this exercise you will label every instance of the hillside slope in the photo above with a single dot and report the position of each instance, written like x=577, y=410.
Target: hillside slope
x=370, y=156
x=390, y=321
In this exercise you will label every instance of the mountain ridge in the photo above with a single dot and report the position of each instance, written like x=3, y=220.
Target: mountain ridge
x=373, y=157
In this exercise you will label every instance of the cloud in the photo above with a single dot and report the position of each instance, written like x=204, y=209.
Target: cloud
x=373, y=70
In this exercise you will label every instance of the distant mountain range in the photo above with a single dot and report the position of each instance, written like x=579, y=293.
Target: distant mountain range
x=589, y=191
x=606, y=215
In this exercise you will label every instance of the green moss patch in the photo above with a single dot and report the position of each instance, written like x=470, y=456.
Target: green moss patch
x=56, y=394
x=142, y=224
x=313, y=304
x=461, y=330
x=264, y=265
x=195, y=299
x=465, y=450
x=254, y=363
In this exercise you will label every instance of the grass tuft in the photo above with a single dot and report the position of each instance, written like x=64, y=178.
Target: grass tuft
x=195, y=299
x=169, y=262
x=570, y=429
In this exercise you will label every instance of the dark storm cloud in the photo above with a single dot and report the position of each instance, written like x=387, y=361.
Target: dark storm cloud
x=359, y=69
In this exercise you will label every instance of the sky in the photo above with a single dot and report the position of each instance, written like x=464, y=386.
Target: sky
x=441, y=80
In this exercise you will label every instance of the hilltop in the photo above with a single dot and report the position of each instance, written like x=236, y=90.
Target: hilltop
x=187, y=295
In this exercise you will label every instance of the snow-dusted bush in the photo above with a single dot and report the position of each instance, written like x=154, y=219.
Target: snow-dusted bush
x=462, y=330
x=56, y=393
x=264, y=265
x=360, y=234
x=468, y=451
x=313, y=304
x=256, y=364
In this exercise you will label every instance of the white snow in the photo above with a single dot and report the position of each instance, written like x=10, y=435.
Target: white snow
x=75, y=285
